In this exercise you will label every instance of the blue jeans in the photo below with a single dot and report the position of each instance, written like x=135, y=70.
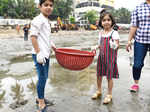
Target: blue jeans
x=42, y=72
x=140, y=51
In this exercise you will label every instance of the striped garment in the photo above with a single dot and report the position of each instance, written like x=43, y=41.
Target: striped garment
x=107, y=60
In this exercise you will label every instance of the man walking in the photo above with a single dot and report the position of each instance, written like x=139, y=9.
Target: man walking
x=140, y=32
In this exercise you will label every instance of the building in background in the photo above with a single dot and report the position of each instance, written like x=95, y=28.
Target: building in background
x=107, y=3
x=81, y=7
x=84, y=6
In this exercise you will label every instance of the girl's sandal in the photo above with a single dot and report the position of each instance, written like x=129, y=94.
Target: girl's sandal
x=96, y=95
x=107, y=99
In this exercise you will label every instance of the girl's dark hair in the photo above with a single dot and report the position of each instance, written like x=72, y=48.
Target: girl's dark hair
x=116, y=27
x=42, y=1
x=103, y=13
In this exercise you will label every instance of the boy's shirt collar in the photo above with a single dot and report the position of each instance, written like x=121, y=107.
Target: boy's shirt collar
x=43, y=17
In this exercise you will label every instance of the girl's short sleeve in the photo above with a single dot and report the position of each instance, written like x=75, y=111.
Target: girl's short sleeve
x=35, y=27
x=115, y=35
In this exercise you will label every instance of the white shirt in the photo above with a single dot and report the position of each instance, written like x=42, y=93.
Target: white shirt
x=115, y=35
x=40, y=27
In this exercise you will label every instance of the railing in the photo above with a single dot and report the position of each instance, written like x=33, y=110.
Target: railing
x=4, y=22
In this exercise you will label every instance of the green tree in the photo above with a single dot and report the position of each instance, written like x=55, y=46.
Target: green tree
x=62, y=8
x=18, y=8
x=72, y=20
x=124, y=15
x=121, y=15
x=27, y=8
x=3, y=7
x=92, y=16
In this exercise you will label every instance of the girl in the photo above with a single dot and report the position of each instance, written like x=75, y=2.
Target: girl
x=107, y=59
x=40, y=37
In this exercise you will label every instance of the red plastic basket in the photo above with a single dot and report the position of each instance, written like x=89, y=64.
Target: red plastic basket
x=74, y=59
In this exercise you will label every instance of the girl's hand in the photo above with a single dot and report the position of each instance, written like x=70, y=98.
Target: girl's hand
x=128, y=46
x=114, y=44
x=94, y=47
x=117, y=46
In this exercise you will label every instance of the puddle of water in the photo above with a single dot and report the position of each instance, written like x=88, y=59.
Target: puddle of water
x=24, y=78
x=23, y=58
x=78, y=81
x=19, y=89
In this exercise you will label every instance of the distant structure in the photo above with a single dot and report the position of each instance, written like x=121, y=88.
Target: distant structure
x=84, y=6
x=81, y=7
x=103, y=3
x=107, y=3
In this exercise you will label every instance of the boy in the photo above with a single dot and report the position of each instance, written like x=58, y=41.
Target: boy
x=41, y=41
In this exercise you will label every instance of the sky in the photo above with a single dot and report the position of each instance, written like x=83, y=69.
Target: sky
x=129, y=4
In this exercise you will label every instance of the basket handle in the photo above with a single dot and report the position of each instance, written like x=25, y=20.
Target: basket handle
x=94, y=51
x=54, y=48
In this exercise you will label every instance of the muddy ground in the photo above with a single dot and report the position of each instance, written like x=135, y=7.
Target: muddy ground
x=70, y=90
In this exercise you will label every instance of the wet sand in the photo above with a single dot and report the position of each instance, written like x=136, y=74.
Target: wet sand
x=72, y=90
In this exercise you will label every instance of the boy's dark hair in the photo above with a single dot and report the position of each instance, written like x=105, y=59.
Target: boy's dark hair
x=42, y=1
x=103, y=13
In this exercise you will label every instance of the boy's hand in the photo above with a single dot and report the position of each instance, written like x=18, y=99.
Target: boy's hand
x=53, y=46
x=40, y=58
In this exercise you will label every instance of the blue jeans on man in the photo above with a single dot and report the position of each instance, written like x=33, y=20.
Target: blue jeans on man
x=140, y=51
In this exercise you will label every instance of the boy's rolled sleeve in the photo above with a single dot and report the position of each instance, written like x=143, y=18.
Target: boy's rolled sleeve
x=35, y=28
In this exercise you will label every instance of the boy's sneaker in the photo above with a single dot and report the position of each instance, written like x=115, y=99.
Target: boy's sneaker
x=47, y=102
x=134, y=88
